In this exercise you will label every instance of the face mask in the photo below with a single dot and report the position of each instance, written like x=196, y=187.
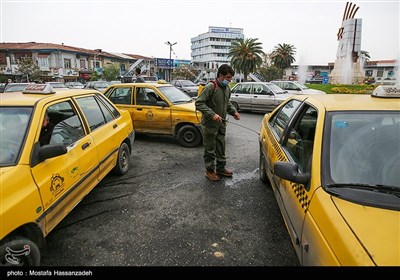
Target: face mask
x=225, y=82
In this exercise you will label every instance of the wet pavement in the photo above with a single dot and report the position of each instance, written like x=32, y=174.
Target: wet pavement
x=165, y=212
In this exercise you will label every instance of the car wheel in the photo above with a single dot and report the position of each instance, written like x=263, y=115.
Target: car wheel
x=262, y=168
x=122, y=165
x=19, y=251
x=189, y=136
x=235, y=105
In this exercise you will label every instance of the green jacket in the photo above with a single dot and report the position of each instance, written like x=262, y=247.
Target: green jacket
x=214, y=101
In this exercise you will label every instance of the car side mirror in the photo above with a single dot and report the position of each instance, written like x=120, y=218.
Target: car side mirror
x=51, y=150
x=290, y=171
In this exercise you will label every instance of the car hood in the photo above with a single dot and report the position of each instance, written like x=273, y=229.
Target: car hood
x=377, y=229
x=193, y=88
x=3, y=170
x=190, y=107
x=312, y=91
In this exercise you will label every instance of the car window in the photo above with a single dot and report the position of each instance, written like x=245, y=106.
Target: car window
x=279, y=84
x=121, y=95
x=290, y=86
x=258, y=89
x=281, y=118
x=67, y=125
x=106, y=113
x=146, y=96
x=13, y=128
x=92, y=111
x=276, y=89
x=242, y=89
x=188, y=83
x=152, y=95
x=300, y=139
x=108, y=104
x=175, y=95
x=265, y=90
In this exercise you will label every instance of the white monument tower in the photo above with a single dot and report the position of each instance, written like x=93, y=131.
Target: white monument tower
x=348, y=63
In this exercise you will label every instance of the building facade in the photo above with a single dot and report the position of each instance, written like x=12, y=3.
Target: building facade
x=59, y=62
x=209, y=50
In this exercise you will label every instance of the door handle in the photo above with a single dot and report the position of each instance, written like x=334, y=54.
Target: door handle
x=139, y=109
x=115, y=125
x=86, y=145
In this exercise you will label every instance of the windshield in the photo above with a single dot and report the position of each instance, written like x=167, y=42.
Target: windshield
x=303, y=87
x=57, y=85
x=363, y=148
x=175, y=95
x=15, y=87
x=13, y=126
x=150, y=78
x=101, y=85
x=276, y=89
x=188, y=84
x=76, y=84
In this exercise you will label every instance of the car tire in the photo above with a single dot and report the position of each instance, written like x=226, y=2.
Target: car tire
x=14, y=252
x=189, y=136
x=262, y=168
x=122, y=166
x=235, y=105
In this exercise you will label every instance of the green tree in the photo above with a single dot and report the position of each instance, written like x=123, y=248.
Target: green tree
x=270, y=73
x=246, y=56
x=96, y=76
x=365, y=56
x=110, y=72
x=283, y=56
x=184, y=72
x=28, y=69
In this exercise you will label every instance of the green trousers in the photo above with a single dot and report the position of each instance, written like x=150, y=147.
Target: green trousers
x=214, y=145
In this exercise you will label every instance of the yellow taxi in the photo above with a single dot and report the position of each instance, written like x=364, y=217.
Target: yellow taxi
x=55, y=147
x=333, y=162
x=159, y=108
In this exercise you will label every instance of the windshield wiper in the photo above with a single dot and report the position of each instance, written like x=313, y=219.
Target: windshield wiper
x=376, y=188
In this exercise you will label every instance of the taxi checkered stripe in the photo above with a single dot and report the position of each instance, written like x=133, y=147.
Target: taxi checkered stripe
x=301, y=195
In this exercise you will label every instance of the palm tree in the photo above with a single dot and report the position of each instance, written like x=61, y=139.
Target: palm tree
x=246, y=55
x=283, y=56
x=364, y=56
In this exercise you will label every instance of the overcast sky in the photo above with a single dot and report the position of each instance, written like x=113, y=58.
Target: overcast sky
x=143, y=27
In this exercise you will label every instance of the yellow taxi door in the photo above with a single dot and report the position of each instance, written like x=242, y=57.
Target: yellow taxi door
x=64, y=180
x=104, y=131
x=147, y=115
x=296, y=197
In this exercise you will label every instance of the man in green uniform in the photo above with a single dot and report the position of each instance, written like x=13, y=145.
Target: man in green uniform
x=214, y=105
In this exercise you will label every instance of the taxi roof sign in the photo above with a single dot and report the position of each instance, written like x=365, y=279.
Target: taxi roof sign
x=39, y=89
x=387, y=91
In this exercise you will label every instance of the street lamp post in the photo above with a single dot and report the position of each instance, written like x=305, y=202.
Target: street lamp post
x=170, y=51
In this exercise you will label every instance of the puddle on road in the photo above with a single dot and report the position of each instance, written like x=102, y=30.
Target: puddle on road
x=238, y=177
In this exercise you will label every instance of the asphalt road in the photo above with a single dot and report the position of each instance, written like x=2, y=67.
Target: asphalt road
x=165, y=212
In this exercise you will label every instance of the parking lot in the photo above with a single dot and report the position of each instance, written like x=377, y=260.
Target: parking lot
x=165, y=212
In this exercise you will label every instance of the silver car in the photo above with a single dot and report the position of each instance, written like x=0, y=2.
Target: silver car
x=74, y=85
x=186, y=86
x=257, y=96
x=295, y=87
x=14, y=87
